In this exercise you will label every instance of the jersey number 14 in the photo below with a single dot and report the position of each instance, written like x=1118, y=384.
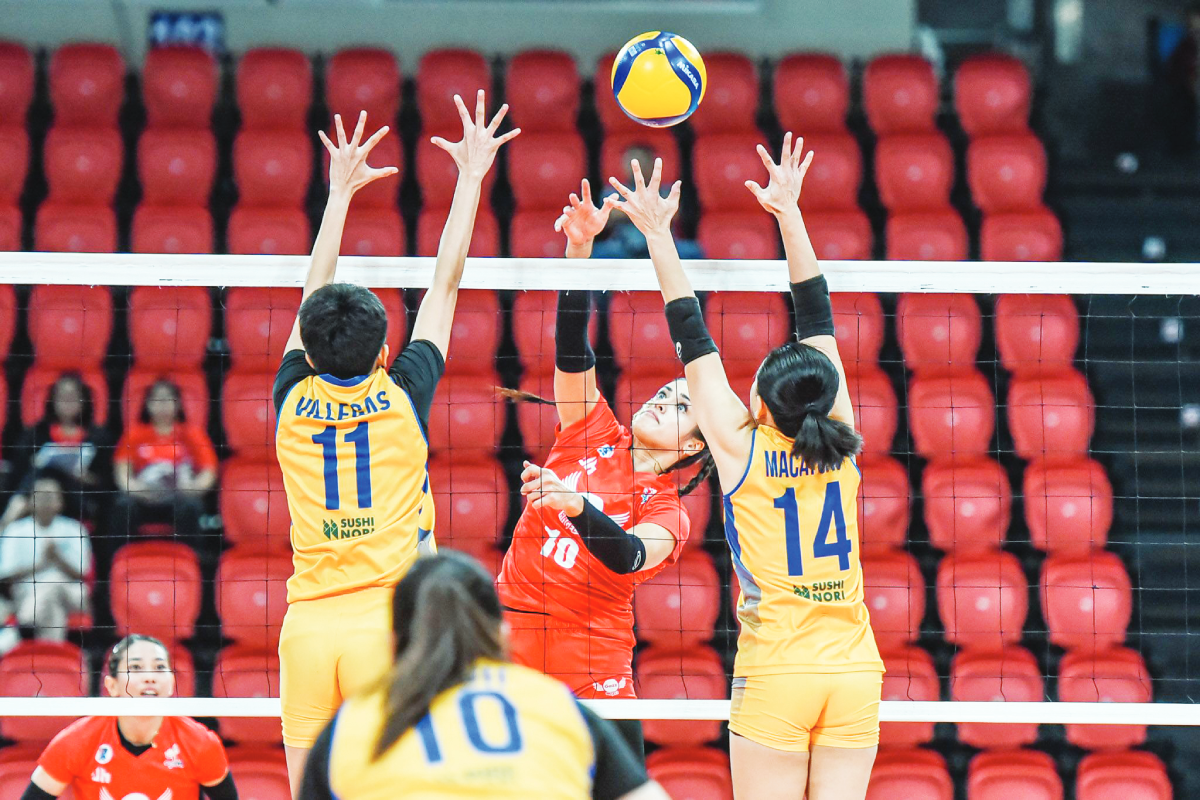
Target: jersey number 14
x=832, y=516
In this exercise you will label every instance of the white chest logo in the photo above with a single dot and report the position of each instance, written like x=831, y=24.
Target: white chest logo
x=605, y=451
x=171, y=759
x=104, y=754
x=106, y=795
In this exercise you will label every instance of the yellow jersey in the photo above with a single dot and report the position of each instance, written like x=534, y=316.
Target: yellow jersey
x=793, y=534
x=354, y=460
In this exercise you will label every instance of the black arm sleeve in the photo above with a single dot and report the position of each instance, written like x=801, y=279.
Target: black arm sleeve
x=685, y=321
x=417, y=371
x=572, y=350
x=814, y=311
x=35, y=792
x=225, y=790
x=617, y=769
x=620, y=551
x=293, y=369
x=315, y=785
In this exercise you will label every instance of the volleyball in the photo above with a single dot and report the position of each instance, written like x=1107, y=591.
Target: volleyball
x=659, y=79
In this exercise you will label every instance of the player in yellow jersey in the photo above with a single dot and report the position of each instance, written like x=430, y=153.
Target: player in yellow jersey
x=351, y=441
x=455, y=719
x=807, y=677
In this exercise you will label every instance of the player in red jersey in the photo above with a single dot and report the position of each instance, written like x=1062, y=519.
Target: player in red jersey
x=604, y=511
x=134, y=758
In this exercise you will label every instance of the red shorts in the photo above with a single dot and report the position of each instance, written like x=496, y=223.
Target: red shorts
x=592, y=666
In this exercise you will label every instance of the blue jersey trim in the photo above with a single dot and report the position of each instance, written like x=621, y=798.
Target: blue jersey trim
x=355, y=381
x=731, y=534
x=588, y=728
x=746, y=471
x=283, y=405
x=417, y=418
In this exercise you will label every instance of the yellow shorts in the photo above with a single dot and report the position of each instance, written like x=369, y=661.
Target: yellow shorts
x=329, y=649
x=792, y=712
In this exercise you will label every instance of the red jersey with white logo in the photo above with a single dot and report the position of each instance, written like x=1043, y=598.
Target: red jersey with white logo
x=89, y=756
x=548, y=570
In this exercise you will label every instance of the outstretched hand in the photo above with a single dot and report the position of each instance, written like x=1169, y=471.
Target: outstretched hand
x=581, y=220
x=476, y=152
x=783, y=192
x=649, y=211
x=348, y=168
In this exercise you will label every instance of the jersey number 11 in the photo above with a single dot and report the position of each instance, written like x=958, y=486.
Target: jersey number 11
x=362, y=464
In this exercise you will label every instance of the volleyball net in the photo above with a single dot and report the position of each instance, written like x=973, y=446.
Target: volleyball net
x=1029, y=493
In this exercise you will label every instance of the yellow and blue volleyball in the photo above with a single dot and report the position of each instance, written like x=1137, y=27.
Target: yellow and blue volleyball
x=658, y=79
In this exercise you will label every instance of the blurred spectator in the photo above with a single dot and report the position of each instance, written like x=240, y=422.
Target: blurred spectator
x=45, y=560
x=624, y=240
x=163, y=467
x=1181, y=75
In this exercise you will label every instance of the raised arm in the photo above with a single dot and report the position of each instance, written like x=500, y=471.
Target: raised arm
x=348, y=172
x=810, y=293
x=474, y=156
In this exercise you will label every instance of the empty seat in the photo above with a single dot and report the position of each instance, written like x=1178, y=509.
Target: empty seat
x=615, y=154
x=537, y=422
x=1034, y=235
x=476, y=334
x=679, y=606
x=1118, y=675
x=1131, y=775
x=87, y=85
x=926, y=236
x=169, y=326
x=1051, y=415
x=875, y=410
x=83, y=165
x=274, y=89
x=258, y=322
x=731, y=96
x=1087, y=600
x=443, y=74
x=17, y=764
x=177, y=167
x=900, y=94
x=983, y=599
x=895, y=597
x=15, y=166
x=835, y=175
x=1036, y=331
x=693, y=674
x=70, y=325
x=858, y=325
x=155, y=590
x=840, y=235
x=951, y=415
x=363, y=79
x=1011, y=675
x=63, y=228
x=465, y=420
x=248, y=414
x=170, y=229
x=914, y=774
x=8, y=318
x=374, y=232
x=485, y=238
x=738, y=235
x=437, y=175
x=697, y=773
x=746, y=326
x=397, y=318
x=193, y=386
x=260, y=772
x=914, y=172
x=11, y=228
x=698, y=504
x=534, y=320
x=179, y=87
x=36, y=387
x=1068, y=505
x=254, y=509
x=272, y=168
x=722, y=163
x=811, y=93
x=883, y=503
x=532, y=235
x=968, y=504
x=992, y=94
x=471, y=501
x=1007, y=172
x=388, y=152
x=268, y=231
x=243, y=671
x=910, y=676
x=40, y=669
x=542, y=88
x=938, y=330
x=1014, y=775
x=16, y=82
x=252, y=595
x=637, y=329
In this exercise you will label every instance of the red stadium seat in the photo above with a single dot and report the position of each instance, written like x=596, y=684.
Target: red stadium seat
x=1036, y=331
x=168, y=229
x=926, y=236
x=272, y=168
x=1029, y=236
x=254, y=507
x=1014, y=775
x=534, y=318
x=252, y=595
x=812, y=93
x=537, y=421
x=731, y=96
x=698, y=505
x=1113, y=676
x=746, y=326
x=914, y=172
x=983, y=599
x=543, y=168
x=248, y=414
x=615, y=155
x=722, y=164
x=258, y=323
x=15, y=166
x=992, y=94
x=83, y=165
x=10, y=228
x=17, y=764
x=363, y=79
x=8, y=318
x=895, y=596
x=177, y=167
x=169, y=326
x=388, y=152
x=437, y=176
x=533, y=236
x=243, y=671
x=1131, y=775
x=445, y=73
x=835, y=175
x=637, y=329
x=1010, y=674
x=859, y=326
x=612, y=118
x=1068, y=505
x=466, y=421
x=470, y=500
x=397, y=318
x=738, y=235
x=475, y=337
x=1087, y=600
x=1007, y=173
x=179, y=87
x=968, y=504
x=840, y=235
x=875, y=410
x=696, y=773
x=374, y=232
x=951, y=415
x=70, y=325
x=694, y=674
x=910, y=676
x=485, y=239
x=883, y=504
x=679, y=606
x=154, y=590
x=900, y=94
x=16, y=82
x=36, y=388
x=911, y=774
x=938, y=330
x=268, y=231
x=193, y=385
x=542, y=89
x=62, y=228
x=1051, y=415
x=41, y=669
x=260, y=773
x=87, y=85
x=274, y=89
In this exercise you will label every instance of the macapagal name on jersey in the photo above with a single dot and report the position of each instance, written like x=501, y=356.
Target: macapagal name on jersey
x=349, y=528
x=822, y=591
x=782, y=464
x=316, y=409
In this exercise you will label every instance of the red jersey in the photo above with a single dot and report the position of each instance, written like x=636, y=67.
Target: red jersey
x=142, y=446
x=89, y=756
x=548, y=570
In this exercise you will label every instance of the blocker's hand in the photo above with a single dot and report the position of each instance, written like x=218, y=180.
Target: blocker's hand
x=348, y=168
x=544, y=489
x=581, y=221
x=476, y=152
x=787, y=177
x=649, y=211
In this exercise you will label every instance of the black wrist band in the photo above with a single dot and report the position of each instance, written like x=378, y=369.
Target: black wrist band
x=814, y=312
x=686, y=325
x=620, y=551
x=572, y=350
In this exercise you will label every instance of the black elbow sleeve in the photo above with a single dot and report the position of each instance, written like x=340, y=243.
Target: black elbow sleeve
x=685, y=322
x=572, y=349
x=814, y=311
x=620, y=551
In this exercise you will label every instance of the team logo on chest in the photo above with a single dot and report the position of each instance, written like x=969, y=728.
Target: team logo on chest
x=104, y=754
x=101, y=775
x=171, y=759
x=105, y=795
x=605, y=451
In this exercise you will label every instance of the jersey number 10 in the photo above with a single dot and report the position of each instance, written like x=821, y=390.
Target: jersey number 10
x=362, y=464
x=832, y=516
x=466, y=707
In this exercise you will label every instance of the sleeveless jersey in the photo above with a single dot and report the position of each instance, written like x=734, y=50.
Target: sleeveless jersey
x=508, y=732
x=793, y=534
